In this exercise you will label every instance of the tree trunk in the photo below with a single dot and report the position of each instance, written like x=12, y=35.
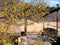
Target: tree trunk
x=25, y=28
x=57, y=21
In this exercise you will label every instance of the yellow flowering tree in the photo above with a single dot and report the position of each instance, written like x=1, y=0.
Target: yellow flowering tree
x=12, y=11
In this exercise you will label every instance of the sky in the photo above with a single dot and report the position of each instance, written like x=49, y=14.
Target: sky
x=27, y=0
x=51, y=3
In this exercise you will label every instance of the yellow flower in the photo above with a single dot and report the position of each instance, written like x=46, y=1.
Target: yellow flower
x=12, y=0
x=22, y=13
x=7, y=44
x=39, y=6
x=43, y=13
x=15, y=9
x=16, y=40
x=4, y=40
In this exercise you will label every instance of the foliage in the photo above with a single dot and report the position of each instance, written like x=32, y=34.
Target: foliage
x=14, y=11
